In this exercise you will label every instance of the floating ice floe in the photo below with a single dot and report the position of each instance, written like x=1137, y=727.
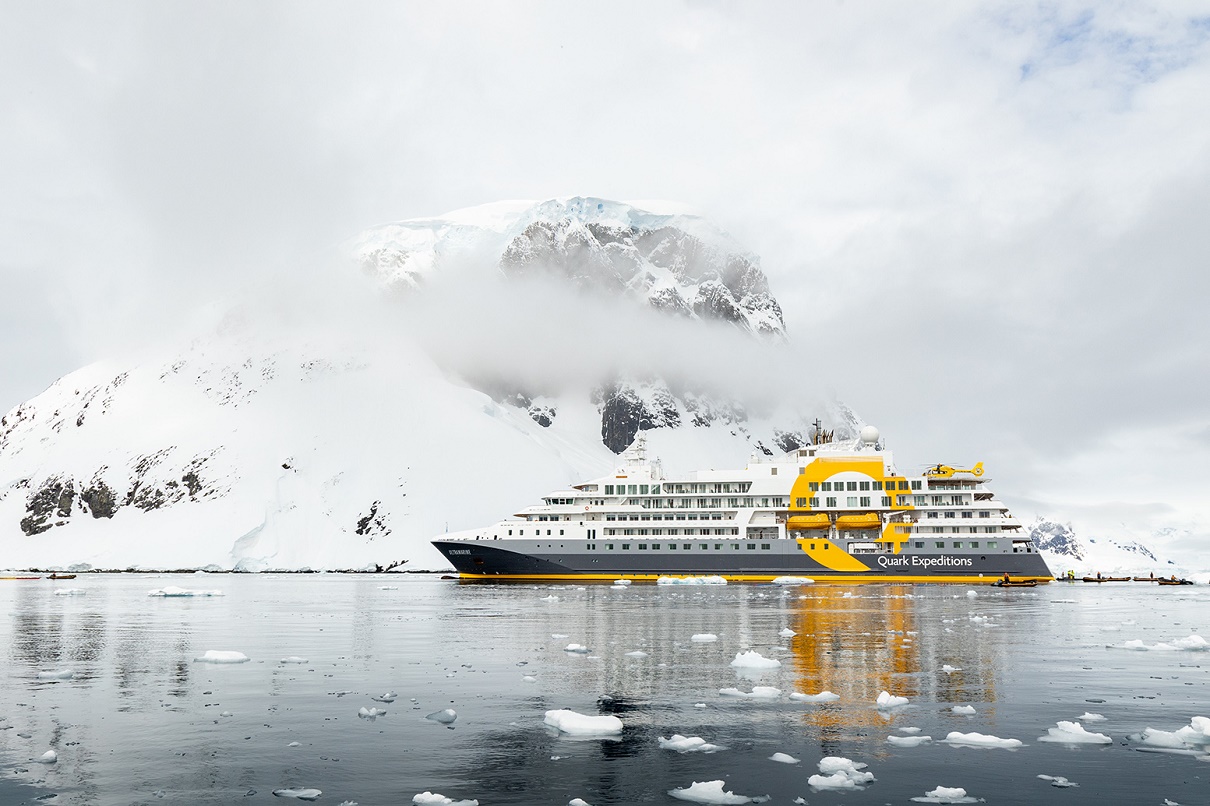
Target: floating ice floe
x=950, y=669
x=1195, y=734
x=840, y=773
x=1072, y=733
x=703, y=637
x=793, y=581
x=61, y=674
x=909, y=741
x=370, y=713
x=70, y=592
x=971, y=594
x=49, y=757
x=823, y=696
x=222, y=656
x=293, y=659
x=1058, y=780
x=529, y=678
x=754, y=660
x=908, y=730
x=757, y=693
x=1090, y=717
x=692, y=580
x=388, y=697
x=578, y=802
x=576, y=649
x=709, y=792
x=558, y=636
x=172, y=592
x=783, y=758
x=445, y=717
x=965, y=710
x=947, y=794
x=1194, y=643
x=787, y=633
x=689, y=744
x=638, y=653
x=294, y=744
x=435, y=799
x=576, y=724
x=980, y=740
x=622, y=582
x=298, y=794
x=889, y=700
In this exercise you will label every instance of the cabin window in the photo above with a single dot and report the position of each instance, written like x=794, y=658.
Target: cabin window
x=830, y=501
x=852, y=501
x=826, y=486
x=940, y=544
x=609, y=546
x=717, y=546
x=751, y=547
x=919, y=544
x=625, y=547
x=813, y=485
x=510, y=531
x=642, y=546
x=764, y=546
x=800, y=502
x=863, y=485
x=812, y=547
x=814, y=502
x=878, y=485
x=643, y=489
x=957, y=544
x=974, y=544
x=865, y=500
x=916, y=485
x=703, y=545
x=991, y=544
x=903, y=485
x=609, y=489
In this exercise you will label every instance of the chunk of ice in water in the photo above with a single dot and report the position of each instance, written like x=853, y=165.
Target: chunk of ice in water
x=298, y=794
x=908, y=730
x=529, y=678
x=692, y=580
x=708, y=792
x=576, y=649
x=1090, y=717
x=704, y=637
x=757, y=693
x=49, y=757
x=837, y=772
x=980, y=740
x=823, y=696
x=965, y=710
x=889, y=700
x=909, y=741
x=445, y=717
x=793, y=581
x=783, y=758
x=950, y=669
x=558, y=636
x=787, y=633
x=70, y=592
x=389, y=697
x=293, y=659
x=688, y=744
x=638, y=653
x=172, y=591
x=971, y=594
x=388, y=587
x=578, y=802
x=435, y=799
x=754, y=660
x=1058, y=780
x=61, y=674
x=576, y=724
x=551, y=598
x=946, y=794
x=1073, y=733
x=294, y=744
x=370, y=713
x=223, y=656
x=621, y=582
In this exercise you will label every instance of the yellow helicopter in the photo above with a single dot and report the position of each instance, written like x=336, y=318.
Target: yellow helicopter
x=945, y=471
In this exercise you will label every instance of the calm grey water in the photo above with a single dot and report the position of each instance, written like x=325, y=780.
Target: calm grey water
x=141, y=723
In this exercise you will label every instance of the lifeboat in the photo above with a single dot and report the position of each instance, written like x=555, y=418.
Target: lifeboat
x=819, y=520
x=869, y=520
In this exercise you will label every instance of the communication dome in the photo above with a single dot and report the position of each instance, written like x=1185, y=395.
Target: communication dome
x=869, y=435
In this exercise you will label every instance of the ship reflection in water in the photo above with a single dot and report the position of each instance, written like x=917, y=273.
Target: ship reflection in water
x=139, y=721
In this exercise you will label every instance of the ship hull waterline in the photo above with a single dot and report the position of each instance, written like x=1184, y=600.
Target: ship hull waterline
x=489, y=561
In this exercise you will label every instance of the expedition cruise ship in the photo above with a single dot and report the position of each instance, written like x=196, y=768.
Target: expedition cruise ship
x=829, y=511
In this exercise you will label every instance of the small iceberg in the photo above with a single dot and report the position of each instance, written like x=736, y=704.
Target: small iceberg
x=688, y=744
x=947, y=794
x=1058, y=780
x=1194, y=643
x=823, y=696
x=950, y=669
x=909, y=741
x=575, y=724
x=965, y=710
x=703, y=637
x=70, y=592
x=783, y=758
x=981, y=740
x=445, y=717
x=293, y=659
x=298, y=794
x=622, y=582
x=172, y=592
x=576, y=649
x=754, y=660
x=434, y=799
x=757, y=693
x=692, y=580
x=793, y=581
x=787, y=633
x=638, y=653
x=837, y=773
x=49, y=757
x=61, y=674
x=1090, y=717
x=389, y=697
x=708, y=792
x=889, y=700
x=1072, y=733
x=370, y=713
x=224, y=656
x=578, y=802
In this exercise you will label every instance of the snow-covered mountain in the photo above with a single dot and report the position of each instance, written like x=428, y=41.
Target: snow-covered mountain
x=321, y=441
x=1090, y=553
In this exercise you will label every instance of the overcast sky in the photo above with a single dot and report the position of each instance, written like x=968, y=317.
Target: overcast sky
x=986, y=223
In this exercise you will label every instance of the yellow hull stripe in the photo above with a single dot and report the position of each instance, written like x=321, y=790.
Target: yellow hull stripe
x=819, y=578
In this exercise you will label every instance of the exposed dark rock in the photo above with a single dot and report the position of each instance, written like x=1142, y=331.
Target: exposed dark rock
x=192, y=483
x=48, y=500
x=789, y=440
x=542, y=415
x=101, y=501
x=714, y=301
x=373, y=524
x=1057, y=538
x=624, y=413
x=669, y=300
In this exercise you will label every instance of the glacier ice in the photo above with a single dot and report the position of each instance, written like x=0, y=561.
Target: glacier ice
x=576, y=724
x=688, y=744
x=708, y=792
x=980, y=740
x=222, y=656
x=754, y=660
